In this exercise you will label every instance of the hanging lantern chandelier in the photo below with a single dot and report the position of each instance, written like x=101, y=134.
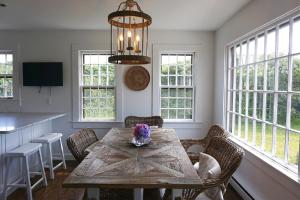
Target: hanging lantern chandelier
x=129, y=30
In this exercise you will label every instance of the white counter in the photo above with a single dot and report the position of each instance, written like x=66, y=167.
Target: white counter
x=11, y=122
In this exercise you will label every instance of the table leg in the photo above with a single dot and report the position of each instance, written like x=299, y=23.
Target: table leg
x=176, y=193
x=138, y=193
x=93, y=193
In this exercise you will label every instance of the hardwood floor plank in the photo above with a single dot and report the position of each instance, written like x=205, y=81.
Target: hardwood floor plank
x=54, y=190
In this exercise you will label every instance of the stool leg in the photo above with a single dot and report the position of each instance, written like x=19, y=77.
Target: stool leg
x=7, y=162
x=27, y=175
x=42, y=167
x=50, y=161
x=62, y=154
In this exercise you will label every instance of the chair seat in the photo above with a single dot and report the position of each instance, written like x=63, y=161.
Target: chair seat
x=24, y=150
x=52, y=137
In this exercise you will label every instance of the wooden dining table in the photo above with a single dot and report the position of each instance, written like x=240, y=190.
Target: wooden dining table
x=114, y=162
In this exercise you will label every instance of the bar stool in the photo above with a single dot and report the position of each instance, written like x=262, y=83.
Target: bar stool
x=24, y=152
x=49, y=139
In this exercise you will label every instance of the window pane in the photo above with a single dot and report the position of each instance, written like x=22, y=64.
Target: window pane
x=271, y=44
x=164, y=69
x=269, y=140
x=164, y=80
x=259, y=105
x=172, y=80
x=296, y=73
x=251, y=77
x=270, y=75
x=164, y=92
x=251, y=51
x=172, y=114
x=250, y=131
x=237, y=82
x=260, y=76
x=188, y=113
x=283, y=74
x=260, y=48
x=172, y=70
x=244, y=53
x=238, y=55
x=180, y=114
x=243, y=128
x=269, y=107
x=280, y=141
x=243, y=103
x=236, y=125
x=295, y=112
x=164, y=114
x=296, y=36
x=244, y=77
x=281, y=117
x=164, y=103
x=258, y=142
x=283, y=40
x=293, y=154
x=250, y=107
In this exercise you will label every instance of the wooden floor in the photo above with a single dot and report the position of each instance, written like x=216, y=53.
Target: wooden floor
x=54, y=191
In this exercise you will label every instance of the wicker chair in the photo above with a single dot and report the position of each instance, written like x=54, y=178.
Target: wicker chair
x=229, y=157
x=78, y=142
x=131, y=121
x=215, y=130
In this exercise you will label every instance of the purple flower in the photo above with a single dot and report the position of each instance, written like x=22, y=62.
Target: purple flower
x=142, y=131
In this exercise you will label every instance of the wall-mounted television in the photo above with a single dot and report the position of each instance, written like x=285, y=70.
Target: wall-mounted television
x=43, y=74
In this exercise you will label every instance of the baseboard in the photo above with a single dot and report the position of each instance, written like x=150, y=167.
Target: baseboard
x=240, y=189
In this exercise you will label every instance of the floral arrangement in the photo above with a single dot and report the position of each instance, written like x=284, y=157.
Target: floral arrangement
x=142, y=131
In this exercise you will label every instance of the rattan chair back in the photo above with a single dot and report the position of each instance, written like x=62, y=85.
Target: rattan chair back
x=78, y=142
x=131, y=121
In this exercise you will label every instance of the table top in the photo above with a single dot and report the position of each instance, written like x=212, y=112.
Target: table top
x=11, y=122
x=115, y=163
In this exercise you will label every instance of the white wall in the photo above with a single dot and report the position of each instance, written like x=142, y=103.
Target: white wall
x=55, y=45
x=261, y=181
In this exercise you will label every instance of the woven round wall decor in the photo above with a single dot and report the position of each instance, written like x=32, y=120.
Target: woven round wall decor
x=137, y=78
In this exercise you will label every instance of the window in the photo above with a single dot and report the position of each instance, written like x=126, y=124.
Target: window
x=97, y=86
x=176, y=86
x=263, y=91
x=6, y=75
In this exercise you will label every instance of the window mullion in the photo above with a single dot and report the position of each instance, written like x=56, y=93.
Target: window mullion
x=247, y=93
x=289, y=94
x=240, y=91
x=275, y=105
x=255, y=94
x=263, y=138
x=234, y=87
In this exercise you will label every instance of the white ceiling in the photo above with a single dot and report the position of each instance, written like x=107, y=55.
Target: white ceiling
x=92, y=14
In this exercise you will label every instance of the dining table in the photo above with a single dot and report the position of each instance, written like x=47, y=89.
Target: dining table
x=115, y=163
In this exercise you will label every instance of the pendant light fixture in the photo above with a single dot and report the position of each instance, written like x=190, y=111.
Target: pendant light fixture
x=129, y=30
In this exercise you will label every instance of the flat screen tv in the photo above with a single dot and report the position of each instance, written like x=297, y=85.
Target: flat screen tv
x=43, y=74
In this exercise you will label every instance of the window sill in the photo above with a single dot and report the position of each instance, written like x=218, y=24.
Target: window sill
x=262, y=161
x=97, y=124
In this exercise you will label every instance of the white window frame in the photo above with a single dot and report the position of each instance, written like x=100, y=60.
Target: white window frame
x=12, y=75
x=14, y=50
x=90, y=52
x=176, y=86
x=277, y=163
x=78, y=121
x=158, y=50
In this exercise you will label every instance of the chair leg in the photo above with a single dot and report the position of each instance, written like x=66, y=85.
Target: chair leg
x=27, y=175
x=50, y=162
x=62, y=154
x=42, y=167
x=7, y=163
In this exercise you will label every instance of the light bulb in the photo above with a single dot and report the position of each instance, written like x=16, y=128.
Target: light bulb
x=129, y=33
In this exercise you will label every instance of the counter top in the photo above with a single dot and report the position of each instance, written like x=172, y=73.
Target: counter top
x=11, y=122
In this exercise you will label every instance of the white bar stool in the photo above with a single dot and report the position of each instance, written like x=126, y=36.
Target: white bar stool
x=49, y=139
x=24, y=152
